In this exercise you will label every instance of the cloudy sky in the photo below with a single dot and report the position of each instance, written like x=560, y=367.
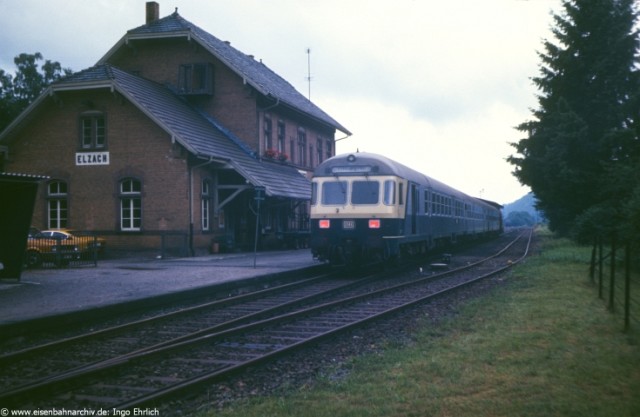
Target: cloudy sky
x=437, y=85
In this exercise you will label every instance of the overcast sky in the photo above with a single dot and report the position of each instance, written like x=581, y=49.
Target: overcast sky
x=435, y=84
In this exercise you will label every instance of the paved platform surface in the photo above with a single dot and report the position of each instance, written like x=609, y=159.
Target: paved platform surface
x=45, y=292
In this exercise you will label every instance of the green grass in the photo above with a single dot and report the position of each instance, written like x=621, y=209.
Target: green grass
x=542, y=345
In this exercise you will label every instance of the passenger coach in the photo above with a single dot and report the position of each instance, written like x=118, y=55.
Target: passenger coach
x=366, y=207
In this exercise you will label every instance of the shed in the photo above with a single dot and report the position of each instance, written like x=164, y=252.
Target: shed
x=18, y=195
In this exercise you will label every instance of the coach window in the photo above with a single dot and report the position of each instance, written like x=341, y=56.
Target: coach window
x=93, y=131
x=130, y=204
x=57, y=204
x=389, y=192
x=206, y=206
x=427, y=202
x=334, y=192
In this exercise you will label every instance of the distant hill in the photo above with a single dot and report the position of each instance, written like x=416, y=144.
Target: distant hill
x=525, y=204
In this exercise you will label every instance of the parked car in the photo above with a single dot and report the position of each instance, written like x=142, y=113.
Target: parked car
x=61, y=246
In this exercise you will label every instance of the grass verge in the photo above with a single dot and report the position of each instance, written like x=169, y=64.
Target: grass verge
x=542, y=345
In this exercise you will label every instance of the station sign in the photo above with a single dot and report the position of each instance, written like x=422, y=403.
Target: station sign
x=92, y=158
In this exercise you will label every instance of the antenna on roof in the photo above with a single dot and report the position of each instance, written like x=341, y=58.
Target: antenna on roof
x=309, y=70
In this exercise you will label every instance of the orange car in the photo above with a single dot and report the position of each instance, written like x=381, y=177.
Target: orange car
x=60, y=246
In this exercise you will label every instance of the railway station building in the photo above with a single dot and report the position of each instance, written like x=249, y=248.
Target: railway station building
x=173, y=139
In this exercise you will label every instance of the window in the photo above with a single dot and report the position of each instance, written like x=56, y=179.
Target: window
x=206, y=206
x=314, y=191
x=268, y=143
x=329, y=149
x=365, y=192
x=389, y=192
x=427, y=202
x=292, y=148
x=302, y=147
x=281, y=137
x=319, y=149
x=57, y=210
x=130, y=204
x=334, y=192
x=93, y=132
x=196, y=79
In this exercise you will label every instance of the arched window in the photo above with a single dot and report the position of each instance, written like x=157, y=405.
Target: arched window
x=206, y=205
x=130, y=204
x=57, y=204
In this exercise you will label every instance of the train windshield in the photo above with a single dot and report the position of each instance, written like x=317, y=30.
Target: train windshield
x=389, y=192
x=314, y=190
x=365, y=192
x=334, y=192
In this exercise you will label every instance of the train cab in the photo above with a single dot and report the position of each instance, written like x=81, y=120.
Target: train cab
x=367, y=207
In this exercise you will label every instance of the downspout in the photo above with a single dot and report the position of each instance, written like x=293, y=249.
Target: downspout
x=191, y=203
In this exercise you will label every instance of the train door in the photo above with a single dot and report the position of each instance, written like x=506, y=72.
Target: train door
x=413, y=206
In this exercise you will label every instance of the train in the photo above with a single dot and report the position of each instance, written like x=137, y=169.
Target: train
x=367, y=208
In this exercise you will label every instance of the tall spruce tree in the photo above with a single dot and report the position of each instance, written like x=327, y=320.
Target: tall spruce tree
x=583, y=130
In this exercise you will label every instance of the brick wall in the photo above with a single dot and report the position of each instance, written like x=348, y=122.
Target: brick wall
x=137, y=147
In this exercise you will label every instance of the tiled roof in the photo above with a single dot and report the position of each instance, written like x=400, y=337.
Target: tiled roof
x=200, y=135
x=267, y=82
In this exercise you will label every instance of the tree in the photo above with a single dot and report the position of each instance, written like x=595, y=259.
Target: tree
x=583, y=130
x=519, y=219
x=18, y=91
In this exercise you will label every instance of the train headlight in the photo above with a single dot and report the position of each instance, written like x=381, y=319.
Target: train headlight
x=324, y=223
x=374, y=223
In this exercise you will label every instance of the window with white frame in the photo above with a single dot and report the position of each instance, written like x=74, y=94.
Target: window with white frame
x=57, y=204
x=130, y=204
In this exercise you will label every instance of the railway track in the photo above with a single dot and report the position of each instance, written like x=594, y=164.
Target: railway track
x=143, y=376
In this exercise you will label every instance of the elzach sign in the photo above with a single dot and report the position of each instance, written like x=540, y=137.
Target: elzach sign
x=92, y=158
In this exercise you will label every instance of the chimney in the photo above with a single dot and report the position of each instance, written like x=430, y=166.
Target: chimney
x=153, y=11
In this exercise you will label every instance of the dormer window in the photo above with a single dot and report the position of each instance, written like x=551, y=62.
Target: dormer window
x=196, y=79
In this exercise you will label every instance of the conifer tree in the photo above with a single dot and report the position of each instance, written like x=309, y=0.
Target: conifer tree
x=584, y=128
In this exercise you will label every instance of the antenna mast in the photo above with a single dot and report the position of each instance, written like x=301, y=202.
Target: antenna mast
x=309, y=70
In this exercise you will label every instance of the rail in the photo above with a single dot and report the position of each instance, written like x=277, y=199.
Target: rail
x=255, y=341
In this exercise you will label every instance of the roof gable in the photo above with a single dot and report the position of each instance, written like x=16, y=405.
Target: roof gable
x=255, y=73
x=202, y=136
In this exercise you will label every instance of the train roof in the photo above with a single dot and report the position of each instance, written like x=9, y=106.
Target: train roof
x=363, y=163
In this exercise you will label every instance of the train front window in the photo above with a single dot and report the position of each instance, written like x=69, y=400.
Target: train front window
x=334, y=192
x=365, y=192
x=314, y=191
x=389, y=192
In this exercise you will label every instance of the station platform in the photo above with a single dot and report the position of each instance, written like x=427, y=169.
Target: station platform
x=48, y=292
